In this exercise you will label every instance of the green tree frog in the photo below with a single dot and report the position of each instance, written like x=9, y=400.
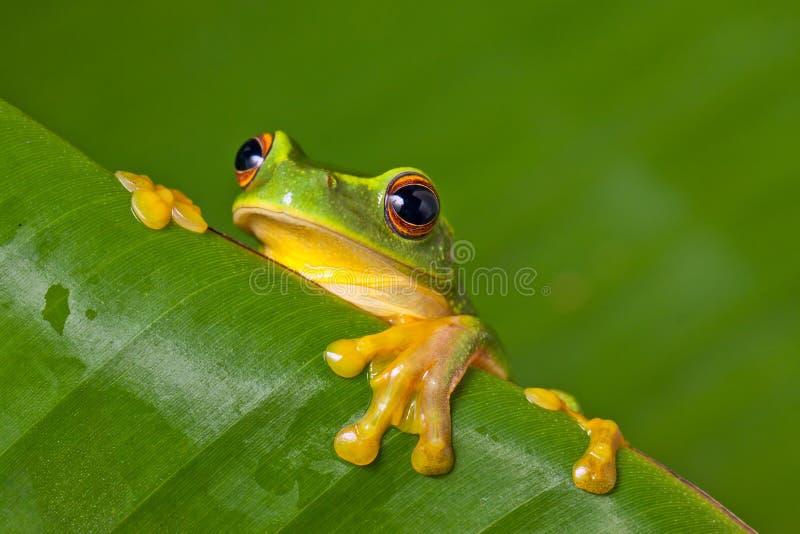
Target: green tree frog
x=380, y=243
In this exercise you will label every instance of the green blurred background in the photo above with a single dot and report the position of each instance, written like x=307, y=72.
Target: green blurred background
x=641, y=156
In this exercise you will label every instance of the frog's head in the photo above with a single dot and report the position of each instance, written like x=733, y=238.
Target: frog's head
x=312, y=217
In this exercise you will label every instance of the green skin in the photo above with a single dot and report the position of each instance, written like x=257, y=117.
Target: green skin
x=352, y=207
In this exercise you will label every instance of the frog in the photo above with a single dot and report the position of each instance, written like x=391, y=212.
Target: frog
x=380, y=243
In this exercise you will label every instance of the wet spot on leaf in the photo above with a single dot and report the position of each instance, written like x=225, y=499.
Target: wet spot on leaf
x=56, y=307
x=91, y=314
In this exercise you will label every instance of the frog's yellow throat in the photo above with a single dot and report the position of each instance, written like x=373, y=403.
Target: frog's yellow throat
x=350, y=270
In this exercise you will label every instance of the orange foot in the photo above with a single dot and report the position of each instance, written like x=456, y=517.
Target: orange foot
x=414, y=369
x=596, y=470
x=154, y=205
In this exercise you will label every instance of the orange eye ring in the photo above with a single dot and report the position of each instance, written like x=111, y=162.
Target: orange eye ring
x=411, y=205
x=250, y=157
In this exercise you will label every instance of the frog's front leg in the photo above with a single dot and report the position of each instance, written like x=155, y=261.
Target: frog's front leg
x=414, y=369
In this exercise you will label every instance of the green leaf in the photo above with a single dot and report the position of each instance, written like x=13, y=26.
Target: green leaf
x=167, y=380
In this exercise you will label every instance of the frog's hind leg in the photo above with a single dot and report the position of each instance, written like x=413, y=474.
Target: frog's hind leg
x=410, y=391
x=596, y=470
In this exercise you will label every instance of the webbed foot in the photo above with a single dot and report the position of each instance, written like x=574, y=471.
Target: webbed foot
x=414, y=369
x=596, y=470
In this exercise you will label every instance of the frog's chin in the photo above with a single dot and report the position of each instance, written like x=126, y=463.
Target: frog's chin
x=289, y=239
x=351, y=270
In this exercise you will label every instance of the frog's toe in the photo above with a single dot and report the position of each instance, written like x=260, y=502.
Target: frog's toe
x=432, y=457
x=188, y=216
x=132, y=181
x=433, y=454
x=596, y=470
x=350, y=445
x=593, y=475
x=151, y=208
x=348, y=357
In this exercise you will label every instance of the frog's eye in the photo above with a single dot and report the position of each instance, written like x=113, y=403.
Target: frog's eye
x=411, y=206
x=250, y=157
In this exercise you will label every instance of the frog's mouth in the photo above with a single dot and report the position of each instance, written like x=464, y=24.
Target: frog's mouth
x=370, y=280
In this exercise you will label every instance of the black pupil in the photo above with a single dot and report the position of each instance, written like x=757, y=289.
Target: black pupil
x=249, y=156
x=415, y=204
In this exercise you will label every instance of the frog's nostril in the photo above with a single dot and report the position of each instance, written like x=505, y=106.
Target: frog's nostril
x=331, y=182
